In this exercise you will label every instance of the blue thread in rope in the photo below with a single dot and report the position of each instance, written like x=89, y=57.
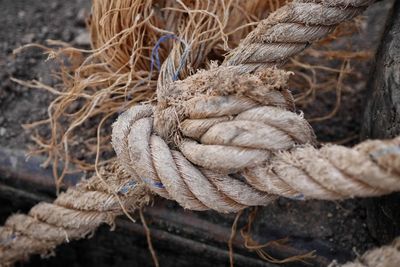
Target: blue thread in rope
x=131, y=184
x=152, y=183
x=155, y=60
x=392, y=150
x=155, y=56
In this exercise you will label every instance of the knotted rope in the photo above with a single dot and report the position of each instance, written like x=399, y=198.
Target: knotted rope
x=211, y=141
x=214, y=141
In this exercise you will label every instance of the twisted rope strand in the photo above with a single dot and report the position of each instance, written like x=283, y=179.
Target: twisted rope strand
x=304, y=172
x=74, y=214
x=214, y=142
x=290, y=30
x=170, y=173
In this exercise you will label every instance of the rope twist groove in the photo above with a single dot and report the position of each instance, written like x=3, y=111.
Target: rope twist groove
x=219, y=146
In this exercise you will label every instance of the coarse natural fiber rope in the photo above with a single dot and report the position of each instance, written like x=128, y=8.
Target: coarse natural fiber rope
x=73, y=215
x=232, y=125
x=385, y=256
x=290, y=30
x=214, y=141
x=130, y=39
x=226, y=135
x=147, y=156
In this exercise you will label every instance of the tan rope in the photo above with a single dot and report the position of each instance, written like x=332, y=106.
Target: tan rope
x=225, y=151
x=289, y=30
x=74, y=214
x=219, y=127
x=170, y=174
x=385, y=256
x=213, y=142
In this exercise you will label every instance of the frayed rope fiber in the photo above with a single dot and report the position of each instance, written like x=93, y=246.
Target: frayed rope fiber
x=221, y=139
x=228, y=138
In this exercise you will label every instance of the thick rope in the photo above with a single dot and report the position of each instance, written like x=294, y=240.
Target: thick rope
x=170, y=174
x=73, y=215
x=290, y=30
x=226, y=153
x=216, y=145
x=385, y=256
x=233, y=124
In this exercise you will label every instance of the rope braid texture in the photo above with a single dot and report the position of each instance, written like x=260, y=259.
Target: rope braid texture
x=290, y=30
x=75, y=214
x=221, y=139
x=228, y=138
x=225, y=141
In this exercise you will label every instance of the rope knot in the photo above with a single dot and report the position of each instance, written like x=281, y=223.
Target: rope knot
x=219, y=92
x=205, y=131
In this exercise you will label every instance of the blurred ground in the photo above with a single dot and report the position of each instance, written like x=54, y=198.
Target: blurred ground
x=25, y=22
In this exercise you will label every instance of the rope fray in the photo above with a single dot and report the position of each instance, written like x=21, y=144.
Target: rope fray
x=260, y=249
x=188, y=98
x=214, y=140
